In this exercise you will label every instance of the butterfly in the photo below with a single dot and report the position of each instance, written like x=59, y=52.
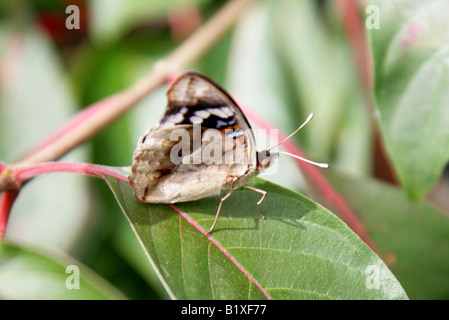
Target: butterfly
x=202, y=144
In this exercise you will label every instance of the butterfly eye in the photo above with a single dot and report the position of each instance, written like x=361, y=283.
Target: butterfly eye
x=266, y=163
x=264, y=158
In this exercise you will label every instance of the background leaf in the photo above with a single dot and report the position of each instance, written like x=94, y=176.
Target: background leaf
x=27, y=274
x=412, y=236
x=411, y=53
x=301, y=251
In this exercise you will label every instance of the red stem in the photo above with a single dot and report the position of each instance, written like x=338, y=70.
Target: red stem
x=2, y=166
x=6, y=202
x=25, y=173
x=354, y=29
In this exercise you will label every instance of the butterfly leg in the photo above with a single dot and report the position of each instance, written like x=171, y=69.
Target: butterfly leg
x=264, y=194
x=219, y=209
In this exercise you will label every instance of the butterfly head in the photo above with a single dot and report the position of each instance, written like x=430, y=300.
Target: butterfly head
x=265, y=158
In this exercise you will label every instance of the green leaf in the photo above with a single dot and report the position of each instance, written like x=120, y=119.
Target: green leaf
x=411, y=78
x=301, y=251
x=413, y=236
x=26, y=274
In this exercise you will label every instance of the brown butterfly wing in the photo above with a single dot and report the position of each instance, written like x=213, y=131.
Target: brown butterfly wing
x=193, y=98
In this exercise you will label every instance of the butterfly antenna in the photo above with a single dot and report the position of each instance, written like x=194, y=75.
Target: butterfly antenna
x=321, y=165
x=295, y=132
